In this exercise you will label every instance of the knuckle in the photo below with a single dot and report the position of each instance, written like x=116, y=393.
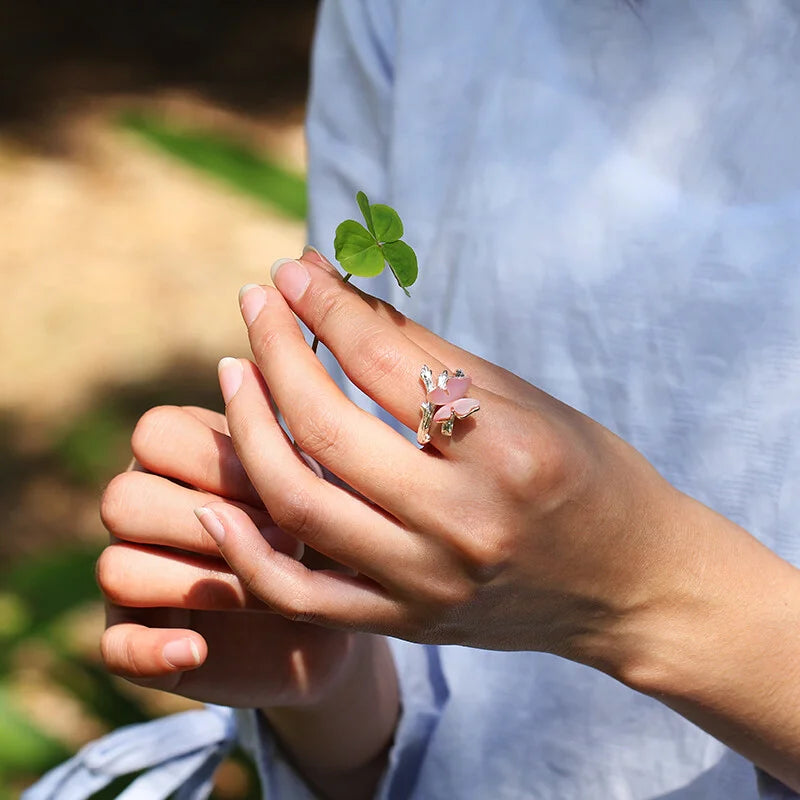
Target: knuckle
x=533, y=467
x=131, y=657
x=449, y=594
x=331, y=305
x=300, y=612
x=553, y=466
x=150, y=429
x=293, y=514
x=109, y=575
x=422, y=625
x=125, y=654
x=317, y=432
x=486, y=555
x=266, y=340
x=117, y=652
x=519, y=471
x=297, y=608
x=376, y=358
x=248, y=429
x=113, y=503
x=294, y=606
x=109, y=650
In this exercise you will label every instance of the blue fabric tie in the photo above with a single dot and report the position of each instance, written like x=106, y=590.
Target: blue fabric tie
x=178, y=752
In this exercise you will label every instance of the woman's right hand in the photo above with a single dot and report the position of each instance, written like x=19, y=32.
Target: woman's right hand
x=180, y=620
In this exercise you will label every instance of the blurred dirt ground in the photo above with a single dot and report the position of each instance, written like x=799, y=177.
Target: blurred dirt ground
x=117, y=262
x=120, y=271
x=120, y=268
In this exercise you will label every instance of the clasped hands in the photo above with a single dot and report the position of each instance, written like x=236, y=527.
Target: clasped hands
x=532, y=528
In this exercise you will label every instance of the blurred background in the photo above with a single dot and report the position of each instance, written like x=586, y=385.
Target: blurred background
x=151, y=162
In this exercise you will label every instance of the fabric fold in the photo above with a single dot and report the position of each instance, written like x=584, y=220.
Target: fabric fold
x=181, y=750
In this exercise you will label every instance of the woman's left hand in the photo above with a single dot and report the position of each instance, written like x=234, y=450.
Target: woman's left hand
x=531, y=528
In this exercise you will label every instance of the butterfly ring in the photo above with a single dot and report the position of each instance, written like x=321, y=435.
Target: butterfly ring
x=449, y=393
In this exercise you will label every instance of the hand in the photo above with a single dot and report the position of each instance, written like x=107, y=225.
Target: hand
x=533, y=527
x=169, y=587
x=181, y=621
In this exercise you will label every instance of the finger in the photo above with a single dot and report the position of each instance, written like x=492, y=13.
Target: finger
x=313, y=256
x=483, y=373
x=148, y=509
x=327, y=518
x=213, y=419
x=374, y=354
x=149, y=617
x=360, y=449
x=138, y=652
x=172, y=442
x=252, y=658
x=142, y=577
x=322, y=597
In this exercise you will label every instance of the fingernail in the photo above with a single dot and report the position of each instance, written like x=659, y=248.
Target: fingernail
x=290, y=278
x=230, y=374
x=251, y=300
x=181, y=653
x=312, y=254
x=211, y=522
x=312, y=463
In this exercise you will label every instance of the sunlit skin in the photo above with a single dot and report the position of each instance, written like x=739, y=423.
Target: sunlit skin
x=166, y=583
x=531, y=528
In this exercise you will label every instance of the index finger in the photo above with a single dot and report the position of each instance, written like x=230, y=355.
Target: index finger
x=372, y=350
x=485, y=374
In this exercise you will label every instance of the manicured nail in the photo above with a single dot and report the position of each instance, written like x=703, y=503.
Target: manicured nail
x=290, y=278
x=312, y=254
x=211, y=522
x=182, y=653
x=230, y=374
x=312, y=463
x=299, y=550
x=251, y=300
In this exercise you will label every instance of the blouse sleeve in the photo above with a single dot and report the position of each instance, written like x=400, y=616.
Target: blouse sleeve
x=423, y=693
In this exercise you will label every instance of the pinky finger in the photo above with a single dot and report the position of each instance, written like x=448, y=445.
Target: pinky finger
x=323, y=597
x=155, y=655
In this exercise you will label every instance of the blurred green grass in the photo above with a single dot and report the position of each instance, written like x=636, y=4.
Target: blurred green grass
x=39, y=592
x=23, y=748
x=229, y=162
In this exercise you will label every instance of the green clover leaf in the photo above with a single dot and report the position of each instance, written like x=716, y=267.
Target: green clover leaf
x=357, y=250
x=402, y=261
x=363, y=204
x=365, y=251
x=388, y=227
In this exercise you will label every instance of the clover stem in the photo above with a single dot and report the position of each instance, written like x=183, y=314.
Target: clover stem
x=315, y=343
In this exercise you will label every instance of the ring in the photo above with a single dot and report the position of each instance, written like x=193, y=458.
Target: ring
x=449, y=393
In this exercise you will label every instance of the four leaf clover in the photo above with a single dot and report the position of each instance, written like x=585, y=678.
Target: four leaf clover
x=365, y=251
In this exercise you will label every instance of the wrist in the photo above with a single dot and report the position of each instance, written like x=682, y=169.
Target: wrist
x=720, y=644
x=340, y=740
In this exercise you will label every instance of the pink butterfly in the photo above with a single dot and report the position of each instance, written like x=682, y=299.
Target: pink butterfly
x=449, y=393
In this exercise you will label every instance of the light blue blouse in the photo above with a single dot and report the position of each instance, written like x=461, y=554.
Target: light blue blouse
x=605, y=199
